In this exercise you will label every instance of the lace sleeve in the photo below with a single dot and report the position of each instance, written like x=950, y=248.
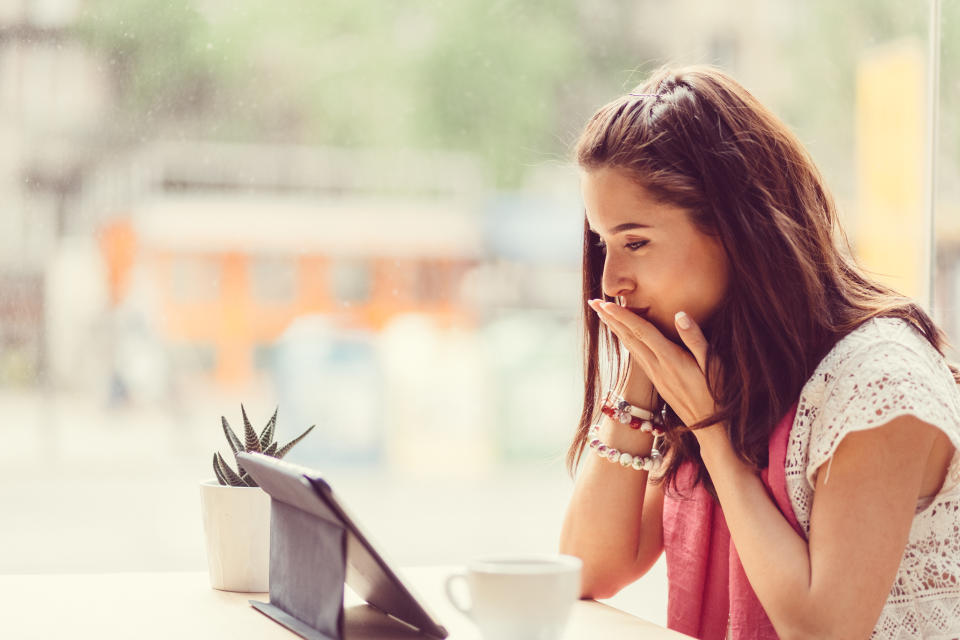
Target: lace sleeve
x=882, y=381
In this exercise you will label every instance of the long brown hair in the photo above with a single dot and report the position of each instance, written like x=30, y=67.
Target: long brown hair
x=695, y=138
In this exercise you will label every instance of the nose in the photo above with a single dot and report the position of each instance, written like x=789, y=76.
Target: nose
x=616, y=280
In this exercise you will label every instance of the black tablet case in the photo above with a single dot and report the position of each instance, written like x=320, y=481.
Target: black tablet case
x=316, y=547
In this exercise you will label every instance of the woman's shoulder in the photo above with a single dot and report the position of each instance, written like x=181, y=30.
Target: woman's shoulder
x=883, y=369
x=879, y=344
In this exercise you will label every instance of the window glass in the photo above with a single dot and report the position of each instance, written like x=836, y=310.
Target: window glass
x=945, y=274
x=351, y=280
x=367, y=217
x=274, y=279
x=194, y=279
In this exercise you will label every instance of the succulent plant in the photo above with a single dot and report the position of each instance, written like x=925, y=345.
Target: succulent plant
x=252, y=443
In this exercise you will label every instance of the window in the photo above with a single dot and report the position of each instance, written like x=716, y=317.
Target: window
x=274, y=279
x=351, y=280
x=194, y=279
x=387, y=159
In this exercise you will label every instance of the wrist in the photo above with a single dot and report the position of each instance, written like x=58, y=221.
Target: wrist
x=648, y=460
x=640, y=393
x=713, y=441
x=637, y=388
x=609, y=441
x=623, y=437
x=621, y=410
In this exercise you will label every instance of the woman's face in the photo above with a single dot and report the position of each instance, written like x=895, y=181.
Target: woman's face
x=656, y=261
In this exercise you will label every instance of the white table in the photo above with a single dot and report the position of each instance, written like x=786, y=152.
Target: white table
x=177, y=606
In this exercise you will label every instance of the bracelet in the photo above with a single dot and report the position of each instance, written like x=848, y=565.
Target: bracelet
x=638, y=463
x=625, y=413
x=616, y=401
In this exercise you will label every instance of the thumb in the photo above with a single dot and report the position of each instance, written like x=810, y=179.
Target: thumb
x=692, y=337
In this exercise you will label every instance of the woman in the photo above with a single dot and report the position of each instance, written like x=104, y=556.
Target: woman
x=807, y=482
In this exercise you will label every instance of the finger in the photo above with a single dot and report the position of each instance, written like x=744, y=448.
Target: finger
x=645, y=331
x=627, y=337
x=693, y=337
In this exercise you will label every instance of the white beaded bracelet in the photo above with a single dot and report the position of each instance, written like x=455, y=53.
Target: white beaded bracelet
x=639, y=463
x=616, y=401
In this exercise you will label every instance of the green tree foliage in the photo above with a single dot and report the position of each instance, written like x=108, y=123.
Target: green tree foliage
x=493, y=79
x=510, y=80
x=157, y=53
x=472, y=75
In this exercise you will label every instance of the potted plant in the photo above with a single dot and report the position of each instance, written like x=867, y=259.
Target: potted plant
x=236, y=512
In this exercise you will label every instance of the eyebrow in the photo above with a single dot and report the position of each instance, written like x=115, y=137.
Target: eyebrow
x=626, y=226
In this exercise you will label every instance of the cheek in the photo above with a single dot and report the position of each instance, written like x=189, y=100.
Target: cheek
x=692, y=280
x=710, y=283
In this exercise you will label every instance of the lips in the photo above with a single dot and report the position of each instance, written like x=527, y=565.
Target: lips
x=642, y=312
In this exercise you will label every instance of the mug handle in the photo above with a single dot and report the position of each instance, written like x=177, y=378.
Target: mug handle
x=448, y=586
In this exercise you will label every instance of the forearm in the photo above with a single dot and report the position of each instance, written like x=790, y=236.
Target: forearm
x=775, y=558
x=605, y=524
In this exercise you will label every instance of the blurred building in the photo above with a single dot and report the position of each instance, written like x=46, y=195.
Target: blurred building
x=53, y=93
x=233, y=257
x=233, y=242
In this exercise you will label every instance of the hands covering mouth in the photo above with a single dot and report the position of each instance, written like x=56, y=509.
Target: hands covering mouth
x=676, y=370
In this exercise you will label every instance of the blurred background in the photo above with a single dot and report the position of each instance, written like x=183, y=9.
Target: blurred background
x=364, y=214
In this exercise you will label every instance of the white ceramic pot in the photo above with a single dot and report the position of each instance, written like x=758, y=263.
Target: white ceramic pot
x=236, y=522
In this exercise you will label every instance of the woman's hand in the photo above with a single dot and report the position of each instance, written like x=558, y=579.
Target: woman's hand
x=676, y=375
x=637, y=388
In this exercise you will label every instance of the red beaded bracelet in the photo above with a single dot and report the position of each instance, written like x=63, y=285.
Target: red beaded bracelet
x=621, y=411
x=635, y=422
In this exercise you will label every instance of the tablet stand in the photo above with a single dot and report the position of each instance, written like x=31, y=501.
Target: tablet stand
x=308, y=568
x=315, y=548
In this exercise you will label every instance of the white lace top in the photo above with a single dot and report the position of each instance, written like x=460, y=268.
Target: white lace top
x=882, y=370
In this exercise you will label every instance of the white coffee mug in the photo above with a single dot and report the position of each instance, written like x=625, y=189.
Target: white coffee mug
x=519, y=597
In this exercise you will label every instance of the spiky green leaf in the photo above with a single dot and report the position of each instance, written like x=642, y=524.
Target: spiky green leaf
x=217, y=472
x=229, y=473
x=271, y=450
x=250, y=482
x=252, y=441
x=232, y=438
x=266, y=436
x=286, y=449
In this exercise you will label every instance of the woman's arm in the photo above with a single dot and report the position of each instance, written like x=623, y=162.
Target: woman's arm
x=835, y=585
x=614, y=519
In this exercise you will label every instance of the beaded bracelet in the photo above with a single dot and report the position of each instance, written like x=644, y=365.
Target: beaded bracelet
x=625, y=413
x=638, y=463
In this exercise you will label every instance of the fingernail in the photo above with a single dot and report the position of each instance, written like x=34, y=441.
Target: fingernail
x=683, y=321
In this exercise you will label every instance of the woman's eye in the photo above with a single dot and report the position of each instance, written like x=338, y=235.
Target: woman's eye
x=632, y=246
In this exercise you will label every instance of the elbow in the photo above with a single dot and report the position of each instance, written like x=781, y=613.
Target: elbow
x=598, y=582
x=597, y=586
x=599, y=591
x=603, y=577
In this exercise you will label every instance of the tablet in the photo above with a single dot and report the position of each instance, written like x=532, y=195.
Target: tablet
x=367, y=572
